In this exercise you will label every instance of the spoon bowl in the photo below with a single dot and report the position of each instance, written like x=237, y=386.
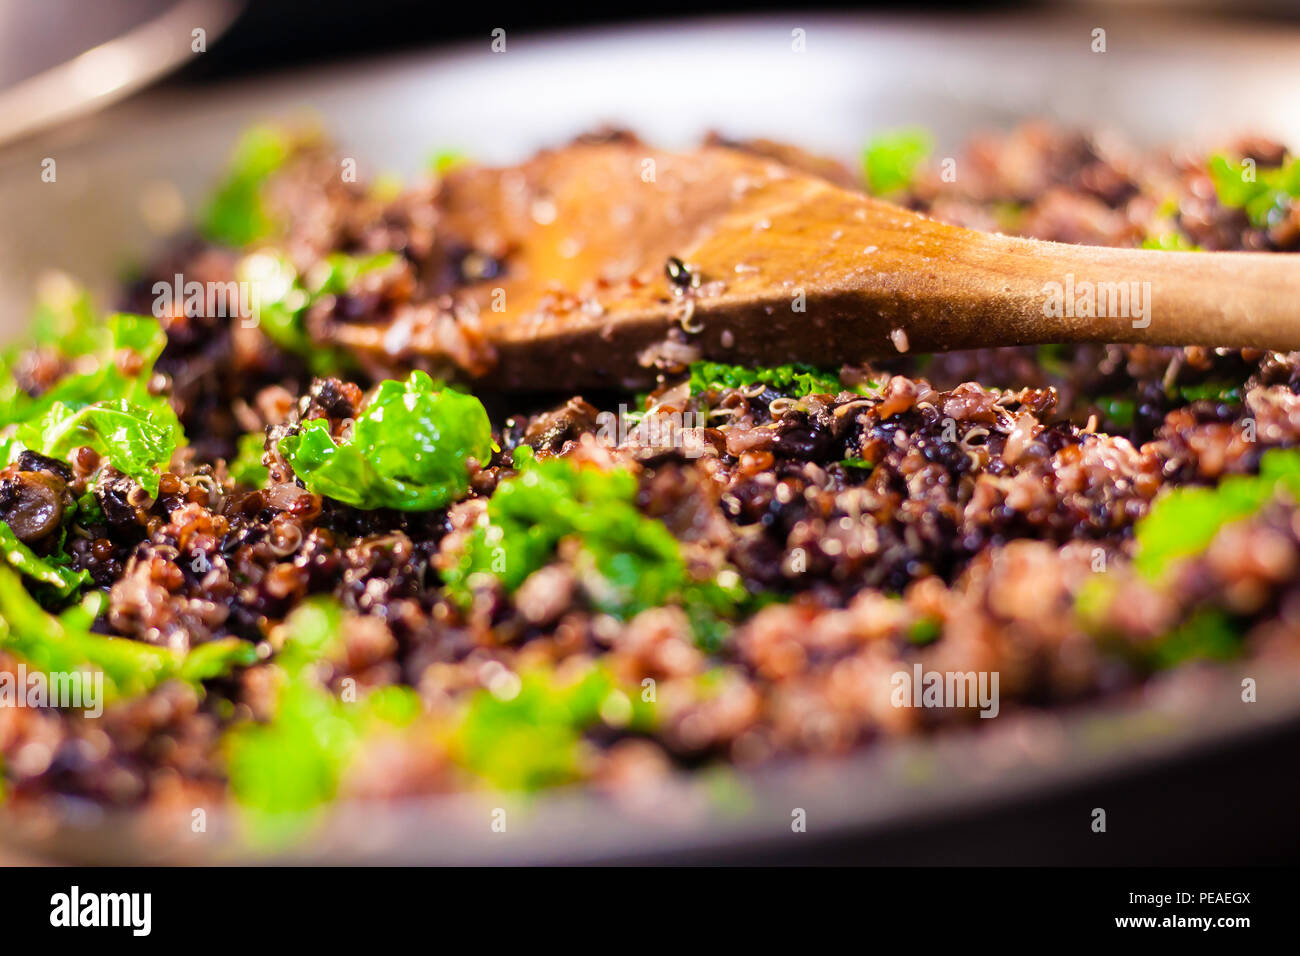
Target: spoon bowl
x=622, y=261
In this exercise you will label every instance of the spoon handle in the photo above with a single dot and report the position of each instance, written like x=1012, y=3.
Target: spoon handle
x=879, y=279
x=1009, y=291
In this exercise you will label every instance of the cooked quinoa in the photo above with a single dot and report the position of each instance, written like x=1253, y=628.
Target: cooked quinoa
x=541, y=604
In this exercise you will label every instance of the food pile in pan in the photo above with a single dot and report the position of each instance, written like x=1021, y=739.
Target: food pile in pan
x=302, y=574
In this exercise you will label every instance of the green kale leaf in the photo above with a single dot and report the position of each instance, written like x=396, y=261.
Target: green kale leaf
x=1121, y=411
x=1207, y=635
x=632, y=562
x=246, y=467
x=443, y=161
x=891, y=159
x=51, y=571
x=66, y=644
x=284, y=769
x=1267, y=199
x=65, y=322
x=1227, y=392
x=533, y=738
x=626, y=562
x=235, y=215
x=1171, y=241
x=282, y=298
x=1182, y=523
x=126, y=434
x=409, y=448
x=105, y=408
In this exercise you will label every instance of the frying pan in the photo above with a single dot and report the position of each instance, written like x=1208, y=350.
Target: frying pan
x=1184, y=768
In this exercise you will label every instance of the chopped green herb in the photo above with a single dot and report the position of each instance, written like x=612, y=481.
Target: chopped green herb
x=1170, y=242
x=1054, y=359
x=409, y=449
x=1183, y=522
x=924, y=630
x=282, y=770
x=98, y=377
x=634, y=560
x=1213, y=391
x=338, y=273
x=65, y=644
x=89, y=511
x=1209, y=634
x=63, y=321
x=796, y=379
x=626, y=561
x=1093, y=601
x=860, y=464
x=216, y=659
x=1010, y=216
x=51, y=571
x=713, y=608
x=65, y=318
x=891, y=159
x=386, y=187
x=1120, y=411
x=235, y=215
x=1267, y=199
x=1168, y=208
x=443, y=161
x=533, y=738
x=247, y=467
x=314, y=632
x=293, y=764
x=283, y=298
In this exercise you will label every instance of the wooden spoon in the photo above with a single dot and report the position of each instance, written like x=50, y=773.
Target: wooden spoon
x=784, y=266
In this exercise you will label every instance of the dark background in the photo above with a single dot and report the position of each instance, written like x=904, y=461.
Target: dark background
x=272, y=34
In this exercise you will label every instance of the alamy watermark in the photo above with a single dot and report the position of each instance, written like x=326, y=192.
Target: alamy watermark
x=657, y=431
x=1104, y=300
x=133, y=911
x=232, y=299
x=66, y=690
x=922, y=688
